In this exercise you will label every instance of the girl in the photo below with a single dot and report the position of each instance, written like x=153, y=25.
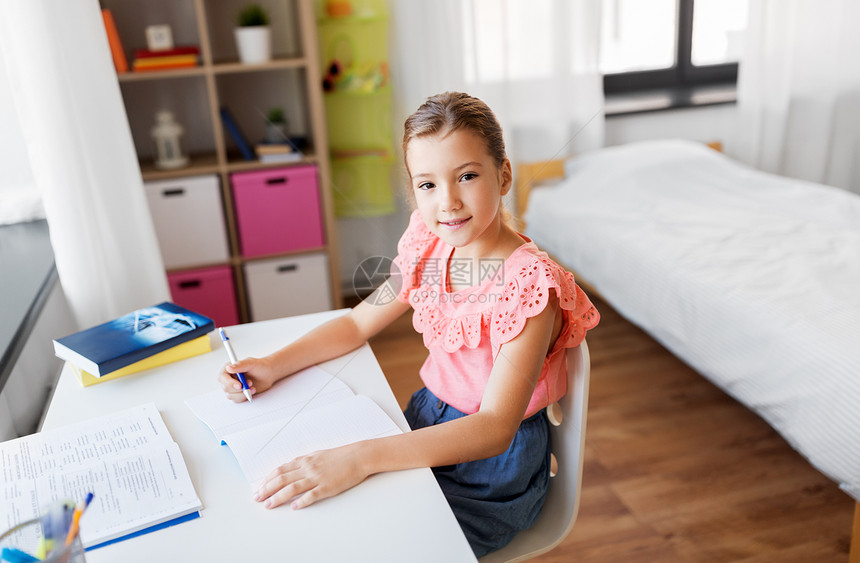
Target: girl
x=496, y=315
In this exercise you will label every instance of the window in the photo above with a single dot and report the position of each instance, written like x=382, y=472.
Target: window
x=658, y=44
x=718, y=27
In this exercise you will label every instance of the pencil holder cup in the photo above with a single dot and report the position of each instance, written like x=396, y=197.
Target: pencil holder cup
x=24, y=541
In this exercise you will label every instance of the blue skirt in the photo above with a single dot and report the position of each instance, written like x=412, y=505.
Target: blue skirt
x=492, y=498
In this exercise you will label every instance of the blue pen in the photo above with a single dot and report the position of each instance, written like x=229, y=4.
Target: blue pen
x=233, y=360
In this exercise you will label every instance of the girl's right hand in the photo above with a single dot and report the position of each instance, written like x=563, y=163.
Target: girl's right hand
x=259, y=373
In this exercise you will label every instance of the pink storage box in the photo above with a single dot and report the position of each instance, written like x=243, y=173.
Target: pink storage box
x=277, y=210
x=208, y=291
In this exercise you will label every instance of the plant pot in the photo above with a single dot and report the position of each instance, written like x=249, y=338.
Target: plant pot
x=276, y=132
x=254, y=44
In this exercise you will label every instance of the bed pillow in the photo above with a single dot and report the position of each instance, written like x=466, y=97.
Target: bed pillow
x=645, y=153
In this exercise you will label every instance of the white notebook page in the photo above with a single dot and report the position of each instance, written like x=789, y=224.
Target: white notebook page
x=259, y=450
x=308, y=411
x=306, y=389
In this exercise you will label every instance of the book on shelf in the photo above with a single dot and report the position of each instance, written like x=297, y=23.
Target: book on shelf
x=308, y=411
x=277, y=152
x=273, y=148
x=236, y=133
x=199, y=345
x=184, y=56
x=113, y=345
x=286, y=157
x=157, y=63
x=178, y=50
x=168, y=66
x=127, y=459
x=117, y=53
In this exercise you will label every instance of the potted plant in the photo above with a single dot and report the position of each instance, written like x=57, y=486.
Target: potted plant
x=276, y=126
x=253, y=37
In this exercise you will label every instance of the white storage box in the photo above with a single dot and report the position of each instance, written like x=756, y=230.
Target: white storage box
x=283, y=287
x=189, y=220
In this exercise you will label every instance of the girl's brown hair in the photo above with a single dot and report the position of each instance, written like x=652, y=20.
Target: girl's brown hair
x=451, y=111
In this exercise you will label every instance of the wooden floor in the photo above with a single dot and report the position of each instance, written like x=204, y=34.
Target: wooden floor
x=675, y=470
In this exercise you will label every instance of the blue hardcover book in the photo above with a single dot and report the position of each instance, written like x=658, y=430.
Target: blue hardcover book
x=236, y=133
x=130, y=338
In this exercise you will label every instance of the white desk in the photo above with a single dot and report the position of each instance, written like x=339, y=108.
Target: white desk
x=399, y=516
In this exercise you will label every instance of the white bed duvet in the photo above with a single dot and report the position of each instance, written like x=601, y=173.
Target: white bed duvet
x=751, y=278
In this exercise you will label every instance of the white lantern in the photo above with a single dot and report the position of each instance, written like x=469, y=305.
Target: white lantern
x=166, y=133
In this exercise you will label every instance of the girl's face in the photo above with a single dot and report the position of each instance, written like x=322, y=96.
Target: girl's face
x=458, y=187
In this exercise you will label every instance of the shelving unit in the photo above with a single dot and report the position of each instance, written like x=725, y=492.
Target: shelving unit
x=291, y=80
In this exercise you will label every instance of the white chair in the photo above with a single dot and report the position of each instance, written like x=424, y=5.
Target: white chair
x=568, y=446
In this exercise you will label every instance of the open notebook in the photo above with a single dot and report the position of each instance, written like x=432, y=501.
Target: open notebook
x=127, y=459
x=308, y=411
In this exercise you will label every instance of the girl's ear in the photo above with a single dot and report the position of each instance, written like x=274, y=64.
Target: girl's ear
x=507, y=177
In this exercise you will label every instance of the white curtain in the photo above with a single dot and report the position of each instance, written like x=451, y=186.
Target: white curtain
x=799, y=91
x=535, y=63
x=77, y=137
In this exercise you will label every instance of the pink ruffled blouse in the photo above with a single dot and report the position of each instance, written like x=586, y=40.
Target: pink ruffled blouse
x=464, y=330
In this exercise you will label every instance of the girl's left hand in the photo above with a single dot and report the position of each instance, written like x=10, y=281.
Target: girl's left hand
x=315, y=476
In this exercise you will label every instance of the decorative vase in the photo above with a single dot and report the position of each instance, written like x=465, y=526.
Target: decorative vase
x=254, y=44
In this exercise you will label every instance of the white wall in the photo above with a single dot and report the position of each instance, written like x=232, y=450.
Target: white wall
x=362, y=238
x=706, y=124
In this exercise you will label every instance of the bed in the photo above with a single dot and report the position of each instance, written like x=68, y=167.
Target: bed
x=750, y=278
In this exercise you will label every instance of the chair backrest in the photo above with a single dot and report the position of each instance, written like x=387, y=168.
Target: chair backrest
x=568, y=445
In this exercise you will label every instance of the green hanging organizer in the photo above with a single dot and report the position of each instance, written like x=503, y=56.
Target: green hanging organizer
x=353, y=39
